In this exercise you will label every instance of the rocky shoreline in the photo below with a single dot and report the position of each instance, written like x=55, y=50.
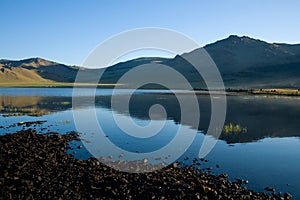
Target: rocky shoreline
x=37, y=166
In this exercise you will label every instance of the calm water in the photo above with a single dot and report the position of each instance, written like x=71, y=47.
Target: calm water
x=266, y=152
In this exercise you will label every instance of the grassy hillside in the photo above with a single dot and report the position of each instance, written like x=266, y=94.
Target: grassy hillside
x=35, y=70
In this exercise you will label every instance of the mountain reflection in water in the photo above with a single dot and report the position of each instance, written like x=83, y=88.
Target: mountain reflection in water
x=261, y=116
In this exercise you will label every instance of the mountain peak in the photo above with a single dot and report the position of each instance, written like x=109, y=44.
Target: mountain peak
x=243, y=38
x=234, y=37
x=38, y=61
x=239, y=37
x=33, y=62
x=234, y=41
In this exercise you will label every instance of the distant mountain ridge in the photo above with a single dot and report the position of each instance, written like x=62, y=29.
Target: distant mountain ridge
x=243, y=62
x=35, y=70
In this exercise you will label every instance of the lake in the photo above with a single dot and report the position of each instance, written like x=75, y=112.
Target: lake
x=260, y=141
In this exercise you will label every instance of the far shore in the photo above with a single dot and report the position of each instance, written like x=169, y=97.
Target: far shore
x=55, y=85
x=229, y=91
x=266, y=91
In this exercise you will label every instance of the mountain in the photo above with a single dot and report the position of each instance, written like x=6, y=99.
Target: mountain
x=35, y=70
x=243, y=62
x=38, y=70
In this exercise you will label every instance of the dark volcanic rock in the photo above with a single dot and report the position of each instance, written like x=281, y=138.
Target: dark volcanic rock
x=36, y=166
x=30, y=123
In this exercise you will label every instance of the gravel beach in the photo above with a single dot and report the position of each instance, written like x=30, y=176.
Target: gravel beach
x=37, y=166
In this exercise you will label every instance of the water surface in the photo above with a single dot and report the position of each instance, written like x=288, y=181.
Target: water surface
x=266, y=152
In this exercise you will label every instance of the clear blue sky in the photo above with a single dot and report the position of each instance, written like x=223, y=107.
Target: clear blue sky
x=66, y=31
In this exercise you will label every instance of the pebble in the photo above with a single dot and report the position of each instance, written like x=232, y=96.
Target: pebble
x=287, y=195
x=269, y=189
